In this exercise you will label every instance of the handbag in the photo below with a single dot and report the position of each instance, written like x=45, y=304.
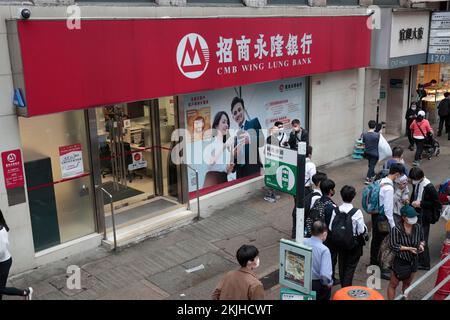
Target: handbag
x=383, y=224
x=386, y=255
x=427, y=139
x=384, y=149
x=402, y=268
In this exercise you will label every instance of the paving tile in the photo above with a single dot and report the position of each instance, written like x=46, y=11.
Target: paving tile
x=98, y=266
x=139, y=290
x=265, y=237
x=175, y=279
x=213, y=263
x=231, y=245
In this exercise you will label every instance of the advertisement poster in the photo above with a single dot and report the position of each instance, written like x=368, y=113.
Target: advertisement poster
x=71, y=161
x=295, y=268
x=233, y=146
x=12, y=169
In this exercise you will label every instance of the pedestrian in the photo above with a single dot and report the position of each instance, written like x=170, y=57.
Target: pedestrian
x=420, y=128
x=349, y=244
x=321, y=274
x=425, y=200
x=5, y=265
x=310, y=200
x=310, y=171
x=383, y=221
x=397, y=157
x=277, y=136
x=241, y=284
x=323, y=210
x=297, y=135
x=444, y=114
x=371, y=140
x=401, y=197
x=407, y=241
x=410, y=116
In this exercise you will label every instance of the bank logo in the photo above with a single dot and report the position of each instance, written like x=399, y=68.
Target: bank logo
x=11, y=158
x=192, y=55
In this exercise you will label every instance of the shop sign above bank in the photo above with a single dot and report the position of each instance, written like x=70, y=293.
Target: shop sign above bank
x=439, y=46
x=113, y=61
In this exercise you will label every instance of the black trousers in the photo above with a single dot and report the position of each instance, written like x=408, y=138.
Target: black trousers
x=308, y=190
x=442, y=121
x=410, y=136
x=419, y=149
x=372, y=163
x=322, y=292
x=377, y=239
x=348, y=261
x=424, y=257
x=334, y=256
x=4, y=273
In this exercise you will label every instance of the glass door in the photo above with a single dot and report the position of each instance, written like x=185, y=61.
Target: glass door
x=125, y=152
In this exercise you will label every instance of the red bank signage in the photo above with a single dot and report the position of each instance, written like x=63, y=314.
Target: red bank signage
x=113, y=61
x=12, y=169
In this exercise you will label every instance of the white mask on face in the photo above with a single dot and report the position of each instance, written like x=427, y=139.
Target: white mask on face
x=415, y=182
x=411, y=221
x=256, y=262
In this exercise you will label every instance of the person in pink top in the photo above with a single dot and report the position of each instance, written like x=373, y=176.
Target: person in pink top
x=420, y=129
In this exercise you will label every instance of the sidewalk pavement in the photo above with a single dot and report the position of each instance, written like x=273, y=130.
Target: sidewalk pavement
x=157, y=268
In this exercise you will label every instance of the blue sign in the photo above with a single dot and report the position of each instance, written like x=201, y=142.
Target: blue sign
x=19, y=100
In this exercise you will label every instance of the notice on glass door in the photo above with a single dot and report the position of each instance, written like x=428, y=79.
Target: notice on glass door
x=71, y=160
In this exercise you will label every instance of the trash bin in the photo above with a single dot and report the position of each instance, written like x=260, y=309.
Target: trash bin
x=357, y=293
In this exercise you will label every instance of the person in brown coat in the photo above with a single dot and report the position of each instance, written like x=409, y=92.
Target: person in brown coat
x=241, y=284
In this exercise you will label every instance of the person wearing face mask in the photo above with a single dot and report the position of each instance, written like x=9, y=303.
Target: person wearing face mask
x=297, y=135
x=425, y=199
x=411, y=115
x=241, y=284
x=406, y=241
x=401, y=197
x=322, y=270
x=383, y=221
x=444, y=114
x=420, y=128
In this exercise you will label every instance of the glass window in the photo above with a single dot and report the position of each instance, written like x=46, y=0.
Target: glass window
x=213, y=1
x=343, y=2
x=57, y=169
x=293, y=2
x=386, y=2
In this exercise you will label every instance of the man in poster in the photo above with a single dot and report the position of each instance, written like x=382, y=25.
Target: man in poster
x=248, y=140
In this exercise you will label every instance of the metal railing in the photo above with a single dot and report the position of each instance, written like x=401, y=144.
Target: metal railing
x=112, y=216
x=196, y=191
x=405, y=294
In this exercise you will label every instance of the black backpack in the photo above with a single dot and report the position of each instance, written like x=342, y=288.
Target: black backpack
x=308, y=200
x=342, y=230
x=317, y=212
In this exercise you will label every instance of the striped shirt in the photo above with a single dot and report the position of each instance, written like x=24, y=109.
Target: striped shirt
x=399, y=237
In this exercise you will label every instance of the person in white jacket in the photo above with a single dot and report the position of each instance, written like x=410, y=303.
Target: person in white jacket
x=5, y=265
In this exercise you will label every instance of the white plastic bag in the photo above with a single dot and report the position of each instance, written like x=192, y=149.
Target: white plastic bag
x=384, y=149
x=446, y=212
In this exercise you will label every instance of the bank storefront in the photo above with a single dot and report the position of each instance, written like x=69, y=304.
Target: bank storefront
x=119, y=114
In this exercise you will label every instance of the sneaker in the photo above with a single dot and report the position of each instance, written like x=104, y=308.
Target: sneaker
x=416, y=163
x=30, y=293
x=269, y=199
x=367, y=181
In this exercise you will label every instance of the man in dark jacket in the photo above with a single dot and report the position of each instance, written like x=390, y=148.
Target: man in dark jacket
x=371, y=140
x=425, y=200
x=444, y=114
x=297, y=135
x=411, y=114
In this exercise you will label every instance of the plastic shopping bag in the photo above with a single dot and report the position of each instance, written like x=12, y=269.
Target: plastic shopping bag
x=384, y=149
x=446, y=212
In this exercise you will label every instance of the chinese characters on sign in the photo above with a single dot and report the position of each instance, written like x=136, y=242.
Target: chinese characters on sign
x=411, y=34
x=12, y=169
x=439, y=45
x=256, y=51
x=71, y=161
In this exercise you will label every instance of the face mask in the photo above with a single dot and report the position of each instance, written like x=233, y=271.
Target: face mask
x=411, y=221
x=413, y=108
x=415, y=182
x=256, y=262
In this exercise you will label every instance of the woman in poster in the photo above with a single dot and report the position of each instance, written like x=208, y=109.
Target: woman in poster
x=218, y=160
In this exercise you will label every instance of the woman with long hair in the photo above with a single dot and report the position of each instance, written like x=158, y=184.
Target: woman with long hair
x=5, y=265
x=218, y=152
